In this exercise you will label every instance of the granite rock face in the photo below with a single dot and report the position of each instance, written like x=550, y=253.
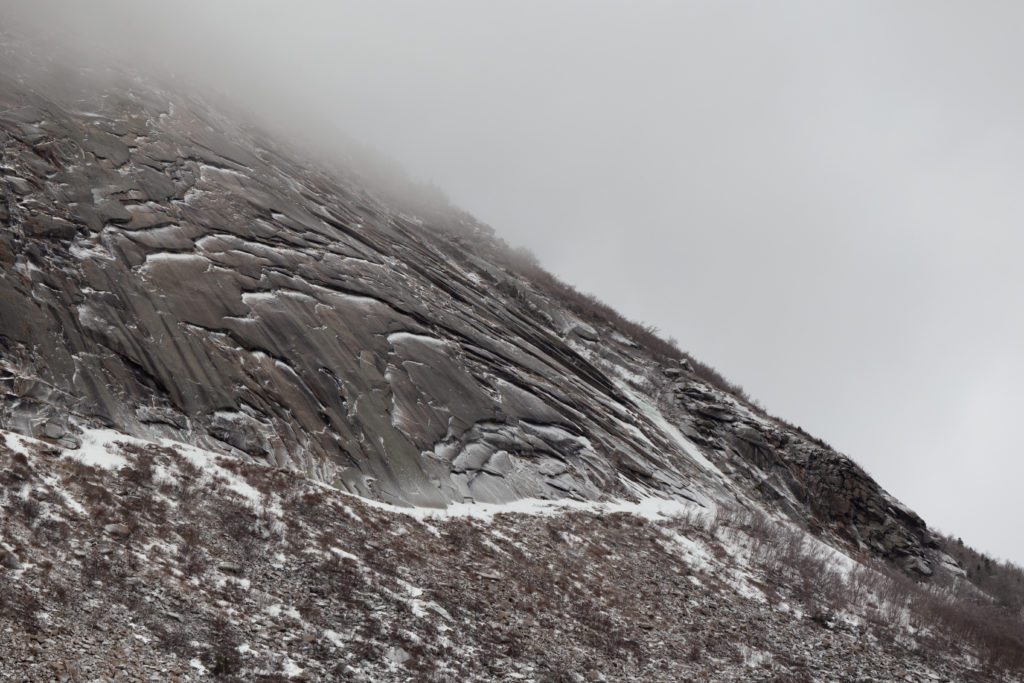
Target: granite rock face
x=169, y=275
x=166, y=280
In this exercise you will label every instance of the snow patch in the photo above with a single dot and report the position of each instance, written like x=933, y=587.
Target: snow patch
x=291, y=669
x=21, y=444
x=98, y=449
x=399, y=337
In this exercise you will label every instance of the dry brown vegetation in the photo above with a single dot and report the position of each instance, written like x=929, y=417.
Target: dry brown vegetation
x=591, y=309
x=304, y=574
x=950, y=613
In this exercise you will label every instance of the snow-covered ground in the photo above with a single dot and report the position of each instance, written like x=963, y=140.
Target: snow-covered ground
x=205, y=562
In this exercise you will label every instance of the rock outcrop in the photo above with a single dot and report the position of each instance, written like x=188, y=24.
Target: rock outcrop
x=168, y=274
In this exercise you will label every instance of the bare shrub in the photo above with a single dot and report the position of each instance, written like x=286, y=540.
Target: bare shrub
x=338, y=575
x=21, y=605
x=307, y=504
x=19, y=460
x=459, y=534
x=51, y=532
x=95, y=567
x=173, y=638
x=191, y=557
x=141, y=472
x=143, y=504
x=236, y=520
x=29, y=509
x=593, y=310
x=189, y=477
x=603, y=633
x=222, y=659
x=96, y=495
x=78, y=470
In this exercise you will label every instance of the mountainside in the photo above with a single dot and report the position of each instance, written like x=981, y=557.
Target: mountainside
x=167, y=279
x=178, y=283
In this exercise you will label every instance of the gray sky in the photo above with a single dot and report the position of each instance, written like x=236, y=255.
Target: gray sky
x=822, y=199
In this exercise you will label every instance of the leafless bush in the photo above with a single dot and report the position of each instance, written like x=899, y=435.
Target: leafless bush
x=193, y=561
x=140, y=473
x=17, y=473
x=235, y=520
x=96, y=494
x=51, y=532
x=29, y=509
x=1003, y=581
x=144, y=505
x=21, y=605
x=192, y=558
x=189, y=477
x=266, y=480
x=309, y=505
x=338, y=575
x=222, y=659
x=591, y=309
x=459, y=534
x=174, y=638
x=78, y=471
x=18, y=459
x=95, y=567
x=603, y=633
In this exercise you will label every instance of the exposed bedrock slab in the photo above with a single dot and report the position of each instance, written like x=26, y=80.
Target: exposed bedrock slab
x=181, y=282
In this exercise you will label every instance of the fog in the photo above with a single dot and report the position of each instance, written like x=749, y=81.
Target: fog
x=820, y=199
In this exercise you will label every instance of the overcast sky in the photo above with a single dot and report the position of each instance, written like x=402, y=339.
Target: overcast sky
x=822, y=199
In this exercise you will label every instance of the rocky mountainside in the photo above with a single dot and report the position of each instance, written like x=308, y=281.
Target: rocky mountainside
x=181, y=280
x=131, y=561
x=165, y=274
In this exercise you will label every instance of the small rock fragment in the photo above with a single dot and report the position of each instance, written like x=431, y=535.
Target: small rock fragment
x=8, y=559
x=119, y=530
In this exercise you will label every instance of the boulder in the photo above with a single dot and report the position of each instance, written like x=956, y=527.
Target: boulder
x=916, y=564
x=716, y=411
x=118, y=530
x=550, y=467
x=113, y=211
x=146, y=217
x=53, y=430
x=584, y=331
x=472, y=457
x=241, y=431
x=19, y=186
x=498, y=464
x=751, y=436
x=8, y=559
x=154, y=415
x=105, y=146
x=42, y=225
x=156, y=186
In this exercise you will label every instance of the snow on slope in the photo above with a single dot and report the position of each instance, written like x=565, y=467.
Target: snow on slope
x=195, y=561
